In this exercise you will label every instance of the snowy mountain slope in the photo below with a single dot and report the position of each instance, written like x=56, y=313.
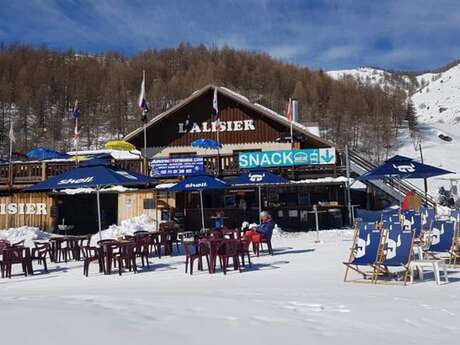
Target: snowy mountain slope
x=380, y=77
x=437, y=103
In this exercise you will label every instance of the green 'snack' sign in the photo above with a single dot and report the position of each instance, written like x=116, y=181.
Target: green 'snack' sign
x=281, y=158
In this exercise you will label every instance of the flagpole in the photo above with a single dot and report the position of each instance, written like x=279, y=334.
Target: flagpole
x=77, y=139
x=10, y=167
x=10, y=182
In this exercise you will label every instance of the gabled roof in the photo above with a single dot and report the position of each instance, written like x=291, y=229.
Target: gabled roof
x=238, y=98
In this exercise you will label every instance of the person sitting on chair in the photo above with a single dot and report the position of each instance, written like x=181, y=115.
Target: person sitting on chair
x=219, y=219
x=264, y=230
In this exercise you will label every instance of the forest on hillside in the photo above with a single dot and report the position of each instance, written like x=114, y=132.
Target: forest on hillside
x=38, y=87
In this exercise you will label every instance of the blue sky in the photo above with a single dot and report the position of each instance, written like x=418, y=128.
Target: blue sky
x=328, y=34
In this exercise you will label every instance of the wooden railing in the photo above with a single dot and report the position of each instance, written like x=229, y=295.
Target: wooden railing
x=27, y=173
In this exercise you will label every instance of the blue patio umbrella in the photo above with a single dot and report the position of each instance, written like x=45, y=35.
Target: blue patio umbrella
x=42, y=153
x=199, y=183
x=207, y=144
x=259, y=179
x=404, y=168
x=92, y=174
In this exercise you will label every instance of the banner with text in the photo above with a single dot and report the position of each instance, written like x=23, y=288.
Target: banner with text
x=180, y=166
x=281, y=158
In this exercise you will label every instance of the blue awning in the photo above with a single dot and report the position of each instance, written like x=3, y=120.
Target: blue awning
x=42, y=153
x=257, y=178
x=92, y=174
x=404, y=168
x=198, y=183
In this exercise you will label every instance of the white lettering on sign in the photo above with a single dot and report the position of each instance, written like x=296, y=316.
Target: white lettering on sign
x=28, y=208
x=77, y=180
x=207, y=127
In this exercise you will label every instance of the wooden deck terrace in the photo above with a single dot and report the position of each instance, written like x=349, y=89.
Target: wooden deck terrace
x=22, y=174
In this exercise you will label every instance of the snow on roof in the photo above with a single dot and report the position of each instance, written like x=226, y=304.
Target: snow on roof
x=116, y=154
x=165, y=185
x=340, y=179
x=74, y=191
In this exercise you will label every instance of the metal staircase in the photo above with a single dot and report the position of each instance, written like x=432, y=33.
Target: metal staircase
x=393, y=187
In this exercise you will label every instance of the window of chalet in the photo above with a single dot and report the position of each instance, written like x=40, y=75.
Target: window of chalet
x=236, y=152
x=181, y=154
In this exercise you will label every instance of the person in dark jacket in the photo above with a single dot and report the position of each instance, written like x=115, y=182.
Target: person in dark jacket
x=264, y=230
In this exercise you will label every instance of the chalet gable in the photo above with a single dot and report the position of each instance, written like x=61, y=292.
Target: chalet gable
x=240, y=122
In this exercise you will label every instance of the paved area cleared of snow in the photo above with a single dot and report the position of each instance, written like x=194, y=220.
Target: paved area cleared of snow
x=296, y=297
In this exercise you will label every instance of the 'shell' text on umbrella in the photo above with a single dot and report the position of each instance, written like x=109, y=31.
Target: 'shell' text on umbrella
x=93, y=173
x=199, y=183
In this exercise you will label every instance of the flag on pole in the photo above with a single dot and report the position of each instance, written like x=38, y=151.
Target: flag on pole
x=11, y=133
x=143, y=101
x=215, y=107
x=76, y=110
x=289, y=111
x=76, y=114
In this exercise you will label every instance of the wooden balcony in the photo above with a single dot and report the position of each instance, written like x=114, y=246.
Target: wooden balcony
x=28, y=173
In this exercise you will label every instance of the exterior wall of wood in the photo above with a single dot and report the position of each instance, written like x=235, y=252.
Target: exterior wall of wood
x=131, y=204
x=44, y=222
x=165, y=132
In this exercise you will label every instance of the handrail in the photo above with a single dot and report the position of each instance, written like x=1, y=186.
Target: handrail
x=396, y=183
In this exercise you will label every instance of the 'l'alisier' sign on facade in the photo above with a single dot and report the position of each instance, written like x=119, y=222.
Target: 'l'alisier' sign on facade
x=281, y=158
x=211, y=127
x=23, y=208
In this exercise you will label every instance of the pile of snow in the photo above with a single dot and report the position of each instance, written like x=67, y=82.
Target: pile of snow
x=127, y=227
x=27, y=233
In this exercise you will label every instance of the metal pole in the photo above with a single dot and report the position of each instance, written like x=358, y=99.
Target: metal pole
x=202, y=210
x=10, y=167
x=99, y=212
x=260, y=199
x=347, y=163
x=425, y=181
x=315, y=209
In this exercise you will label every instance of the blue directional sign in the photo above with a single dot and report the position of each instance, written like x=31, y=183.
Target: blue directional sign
x=281, y=158
x=180, y=166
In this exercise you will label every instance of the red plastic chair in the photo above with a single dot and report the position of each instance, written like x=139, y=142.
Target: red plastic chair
x=11, y=256
x=40, y=252
x=91, y=254
x=229, y=249
x=126, y=256
x=244, y=251
x=196, y=251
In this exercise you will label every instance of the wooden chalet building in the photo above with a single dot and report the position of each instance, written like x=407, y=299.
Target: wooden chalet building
x=246, y=128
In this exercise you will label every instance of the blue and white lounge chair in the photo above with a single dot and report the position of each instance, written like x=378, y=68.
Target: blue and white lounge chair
x=428, y=217
x=365, y=251
x=442, y=240
x=455, y=215
x=398, y=253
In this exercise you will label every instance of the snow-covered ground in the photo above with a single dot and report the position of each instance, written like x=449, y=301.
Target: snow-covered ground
x=437, y=103
x=295, y=297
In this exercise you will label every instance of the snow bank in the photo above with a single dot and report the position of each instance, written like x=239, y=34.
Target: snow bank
x=26, y=233
x=127, y=227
